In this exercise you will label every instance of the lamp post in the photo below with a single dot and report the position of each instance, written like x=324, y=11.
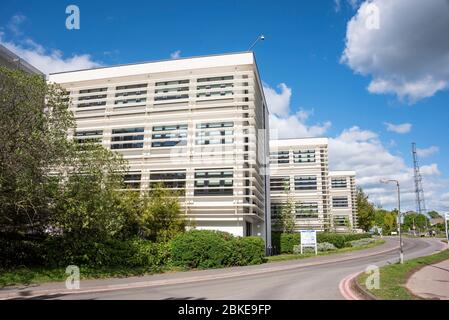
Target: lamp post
x=259, y=38
x=401, y=251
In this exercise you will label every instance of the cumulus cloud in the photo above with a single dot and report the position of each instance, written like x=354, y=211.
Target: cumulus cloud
x=427, y=152
x=398, y=128
x=176, y=54
x=285, y=123
x=362, y=151
x=46, y=60
x=408, y=55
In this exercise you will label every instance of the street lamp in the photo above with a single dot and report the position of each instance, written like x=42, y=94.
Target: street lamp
x=401, y=251
x=259, y=38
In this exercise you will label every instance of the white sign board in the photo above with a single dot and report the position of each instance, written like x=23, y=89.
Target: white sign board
x=308, y=239
x=447, y=216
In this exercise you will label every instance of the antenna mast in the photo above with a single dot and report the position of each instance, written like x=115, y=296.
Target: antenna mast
x=419, y=191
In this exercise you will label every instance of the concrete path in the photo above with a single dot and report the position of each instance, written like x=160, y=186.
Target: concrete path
x=431, y=282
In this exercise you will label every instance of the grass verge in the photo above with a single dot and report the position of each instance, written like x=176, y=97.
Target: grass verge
x=394, y=277
x=284, y=257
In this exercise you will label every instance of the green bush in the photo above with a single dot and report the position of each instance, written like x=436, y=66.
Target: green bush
x=213, y=249
x=360, y=242
x=201, y=249
x=288, y=241
x=246, y=251
x=19, y=251
x=340, y=240
x=61, y=252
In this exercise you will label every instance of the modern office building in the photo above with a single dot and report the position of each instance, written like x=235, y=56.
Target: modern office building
x=197, y=125
x=343, y=195
x=12, y=61
x=299, y=176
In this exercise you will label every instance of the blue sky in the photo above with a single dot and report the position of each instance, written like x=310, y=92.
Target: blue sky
x=305, y=41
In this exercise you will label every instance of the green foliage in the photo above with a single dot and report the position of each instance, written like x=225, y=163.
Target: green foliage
x=434, y=215
x=34, y=121
x=340, y=240
x=361, y=242
x=386, y=220
x=201, y=249
x=365, y=211
x=288, y=241
x=62, y=251
x=246, y=251
x=160, y=217
x=213, y=249
x=415, y=221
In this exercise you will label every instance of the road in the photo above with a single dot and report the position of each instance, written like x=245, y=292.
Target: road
x=314, y=278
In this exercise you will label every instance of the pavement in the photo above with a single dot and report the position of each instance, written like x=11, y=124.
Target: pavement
x=311, y=278
x=431, y=282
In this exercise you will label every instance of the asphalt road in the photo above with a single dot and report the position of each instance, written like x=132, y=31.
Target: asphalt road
x=297, y=281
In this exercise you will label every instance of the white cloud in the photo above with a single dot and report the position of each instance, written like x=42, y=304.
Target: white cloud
x=362, y=151
x=283, y=122
x=408, y=55
x=48, y=61
x=398, y=128
x=427, y=152
x=176, y=54
x=15, y=23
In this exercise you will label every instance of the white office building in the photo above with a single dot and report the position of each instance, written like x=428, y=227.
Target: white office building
x=299, y=175
x=343, y=195
x=197, y=125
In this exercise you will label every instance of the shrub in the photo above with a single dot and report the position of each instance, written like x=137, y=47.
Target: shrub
x=20, y=252
x=321, y=247
x=201, y=249
x=63, y=251
x=246, y=251
x=213, y=249
x=360, y=242
x=288, y=241
x=340, y=240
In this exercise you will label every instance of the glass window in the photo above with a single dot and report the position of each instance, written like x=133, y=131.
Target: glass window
x=305, y=183
x=338, y=183
x=213, y=182
x=279, y=183
x=340, y=202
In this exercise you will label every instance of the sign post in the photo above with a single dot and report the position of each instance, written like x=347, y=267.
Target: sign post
x=308, y=239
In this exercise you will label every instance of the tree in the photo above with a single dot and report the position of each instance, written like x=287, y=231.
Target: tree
x=160, y=214
x=287, y=212
x=386, y=220
x=415, y=221
x=434, y=215
x=365, y=211
x=34, y=121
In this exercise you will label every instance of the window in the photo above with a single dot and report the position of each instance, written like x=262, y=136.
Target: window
x=338, y=183
x=88, y=136
x=279, y=183
x=169, y=136
x=132, y=93
x=276, y=210
x=342, y=221
x=98, y=96
x=215, y=94
x=92, y=104
x=280, y=157
x=306, y=210
x=304, y=156
x=132, y=86
x=206, y=135
x=215, y=86
x=168, y=179
x=129, y=135
x=93, y=90
x=340, y=202
x=213, y=182
x=132, y=180
x=305, y=183
x=223, y=78
x=169, y=83
x=126, y=101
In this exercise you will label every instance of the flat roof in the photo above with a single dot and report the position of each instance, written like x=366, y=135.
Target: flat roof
x=169, y=65
x=338, y=173
x=299, y=142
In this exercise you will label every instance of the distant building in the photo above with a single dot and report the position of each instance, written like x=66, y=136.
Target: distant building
x=12, y=61
x=343, y=202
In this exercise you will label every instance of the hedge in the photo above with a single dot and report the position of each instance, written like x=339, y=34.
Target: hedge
x=287, y=241
x=213, y=249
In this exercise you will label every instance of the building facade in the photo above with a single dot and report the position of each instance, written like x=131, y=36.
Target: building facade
x=10, y=60
x=196, y=125
x=343, y=200
x=300, y=180
x=299, y=176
